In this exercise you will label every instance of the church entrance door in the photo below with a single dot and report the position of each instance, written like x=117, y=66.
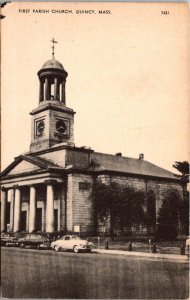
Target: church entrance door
x=56, y=219
x=7, y=217
x=39, y=219
x=23, y=221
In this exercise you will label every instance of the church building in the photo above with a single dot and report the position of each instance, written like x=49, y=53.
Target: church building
x=48, y=188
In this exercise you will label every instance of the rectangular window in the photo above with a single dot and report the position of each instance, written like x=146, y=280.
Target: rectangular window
x=84, y=185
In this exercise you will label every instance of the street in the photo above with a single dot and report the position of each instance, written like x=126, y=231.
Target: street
x=29, y=273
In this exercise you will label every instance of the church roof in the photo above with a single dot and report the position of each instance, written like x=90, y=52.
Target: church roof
x=41, y=162
x=108, y=162
x=52, y=64
x=99, y=163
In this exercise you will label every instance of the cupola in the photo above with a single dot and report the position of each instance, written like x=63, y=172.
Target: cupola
x=52, y=77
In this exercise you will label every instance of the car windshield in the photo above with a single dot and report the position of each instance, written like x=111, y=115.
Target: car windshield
x=75, y=237
x=66, y=238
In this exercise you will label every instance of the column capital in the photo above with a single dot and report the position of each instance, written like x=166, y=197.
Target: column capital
x=16, y=186
x=3, y=189
x=50, y=182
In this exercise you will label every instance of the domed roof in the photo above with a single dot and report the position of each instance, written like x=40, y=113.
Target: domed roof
x=52, y=64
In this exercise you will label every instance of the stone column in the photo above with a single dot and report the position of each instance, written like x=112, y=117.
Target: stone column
x=55, y=89
x=58, y=91
x=32, y=209
x=17, y=210
x=41, y=94
x=49, y=91
x=11, y=199
x=3, y=209
x=63, y=92
x=46, y=89
x=50, y=208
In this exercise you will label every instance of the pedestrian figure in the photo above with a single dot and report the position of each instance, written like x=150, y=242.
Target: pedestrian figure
x=106, y=245
x=154, y=248
x=182, y=249
x=130, y=248
x=150, y=244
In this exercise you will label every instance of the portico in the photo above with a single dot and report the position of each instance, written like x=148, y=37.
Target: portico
x=30, y=214
x=31, y=202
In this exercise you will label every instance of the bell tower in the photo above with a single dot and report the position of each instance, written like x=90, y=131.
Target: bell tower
x=52, y=121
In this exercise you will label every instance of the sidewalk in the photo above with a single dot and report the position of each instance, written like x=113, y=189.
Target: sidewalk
x=179, y=258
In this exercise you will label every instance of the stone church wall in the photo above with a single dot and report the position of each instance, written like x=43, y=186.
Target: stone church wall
x=62, y=207
x=79, y=208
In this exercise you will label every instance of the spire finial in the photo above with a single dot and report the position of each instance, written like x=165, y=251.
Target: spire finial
x=53, y=47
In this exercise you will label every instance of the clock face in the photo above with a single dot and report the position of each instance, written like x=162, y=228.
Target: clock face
x=40, y=126
x=61, y=126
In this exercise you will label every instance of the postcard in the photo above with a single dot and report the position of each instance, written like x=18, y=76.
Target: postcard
x=94, y=150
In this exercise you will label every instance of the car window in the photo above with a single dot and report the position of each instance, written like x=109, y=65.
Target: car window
x=5, y=235
x=28, y=237
x=35, y=237
x=67, y=238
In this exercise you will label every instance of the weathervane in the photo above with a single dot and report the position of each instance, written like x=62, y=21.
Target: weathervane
x=53, y=47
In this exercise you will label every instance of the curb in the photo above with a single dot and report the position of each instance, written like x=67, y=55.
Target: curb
x=180, y=258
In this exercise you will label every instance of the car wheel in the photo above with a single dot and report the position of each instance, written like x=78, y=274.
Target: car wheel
x=38, y=247
x=56, y=248
x=75, y=249
x=22, y=245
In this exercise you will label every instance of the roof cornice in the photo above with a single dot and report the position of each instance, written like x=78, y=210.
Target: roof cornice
x=51, y=106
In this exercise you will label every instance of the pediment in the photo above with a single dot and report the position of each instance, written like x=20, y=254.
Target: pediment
x=27, y=164
x=23, y=167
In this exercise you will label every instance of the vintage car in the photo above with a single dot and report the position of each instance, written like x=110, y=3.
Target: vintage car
x=33, y=240
x=8, y=240
x=72, y=242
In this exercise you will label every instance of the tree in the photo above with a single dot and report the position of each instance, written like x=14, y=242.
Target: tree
x=183, y=168
x=184, y=214
x=168, y=218
x=151, y=212
x=123, y=205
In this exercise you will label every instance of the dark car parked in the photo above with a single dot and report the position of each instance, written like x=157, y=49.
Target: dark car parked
x=32, y=240
x=8, y=239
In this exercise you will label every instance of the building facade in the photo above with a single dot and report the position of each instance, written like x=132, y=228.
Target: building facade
x=48, y=189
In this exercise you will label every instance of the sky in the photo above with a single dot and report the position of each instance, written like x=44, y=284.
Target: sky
x=127, y=75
